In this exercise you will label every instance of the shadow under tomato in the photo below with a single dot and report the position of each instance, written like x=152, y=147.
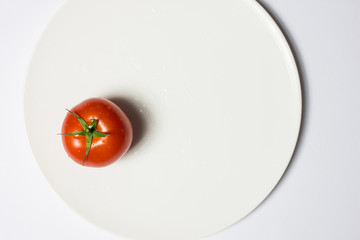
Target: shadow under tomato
x=136, y=117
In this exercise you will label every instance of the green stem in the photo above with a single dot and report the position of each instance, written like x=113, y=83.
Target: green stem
x=89, y=132
x=89, y=138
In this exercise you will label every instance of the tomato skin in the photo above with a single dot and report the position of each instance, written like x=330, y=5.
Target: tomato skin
x=104, y=150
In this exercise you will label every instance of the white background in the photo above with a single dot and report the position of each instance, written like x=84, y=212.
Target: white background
x=319, y=195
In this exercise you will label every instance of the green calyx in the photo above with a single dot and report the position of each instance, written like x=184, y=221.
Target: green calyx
x=89, y=132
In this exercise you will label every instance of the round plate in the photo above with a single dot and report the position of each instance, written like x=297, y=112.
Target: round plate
x=213, y=93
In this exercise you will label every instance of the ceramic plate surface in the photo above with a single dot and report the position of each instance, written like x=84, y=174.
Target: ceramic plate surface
x=212, y=90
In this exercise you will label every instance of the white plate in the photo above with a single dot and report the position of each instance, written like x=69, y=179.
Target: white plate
x=214, y=95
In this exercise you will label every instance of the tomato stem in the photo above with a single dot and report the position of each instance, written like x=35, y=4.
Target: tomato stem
x=89, y=132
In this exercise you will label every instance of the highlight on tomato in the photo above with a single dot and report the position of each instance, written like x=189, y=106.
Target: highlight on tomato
x=96, y=132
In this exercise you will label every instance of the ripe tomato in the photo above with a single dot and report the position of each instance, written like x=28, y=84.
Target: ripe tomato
x=96, y=132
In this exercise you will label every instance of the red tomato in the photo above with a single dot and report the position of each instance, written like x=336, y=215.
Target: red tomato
x=96, y=132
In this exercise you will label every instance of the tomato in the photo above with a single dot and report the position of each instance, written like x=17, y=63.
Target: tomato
x=96, y=132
